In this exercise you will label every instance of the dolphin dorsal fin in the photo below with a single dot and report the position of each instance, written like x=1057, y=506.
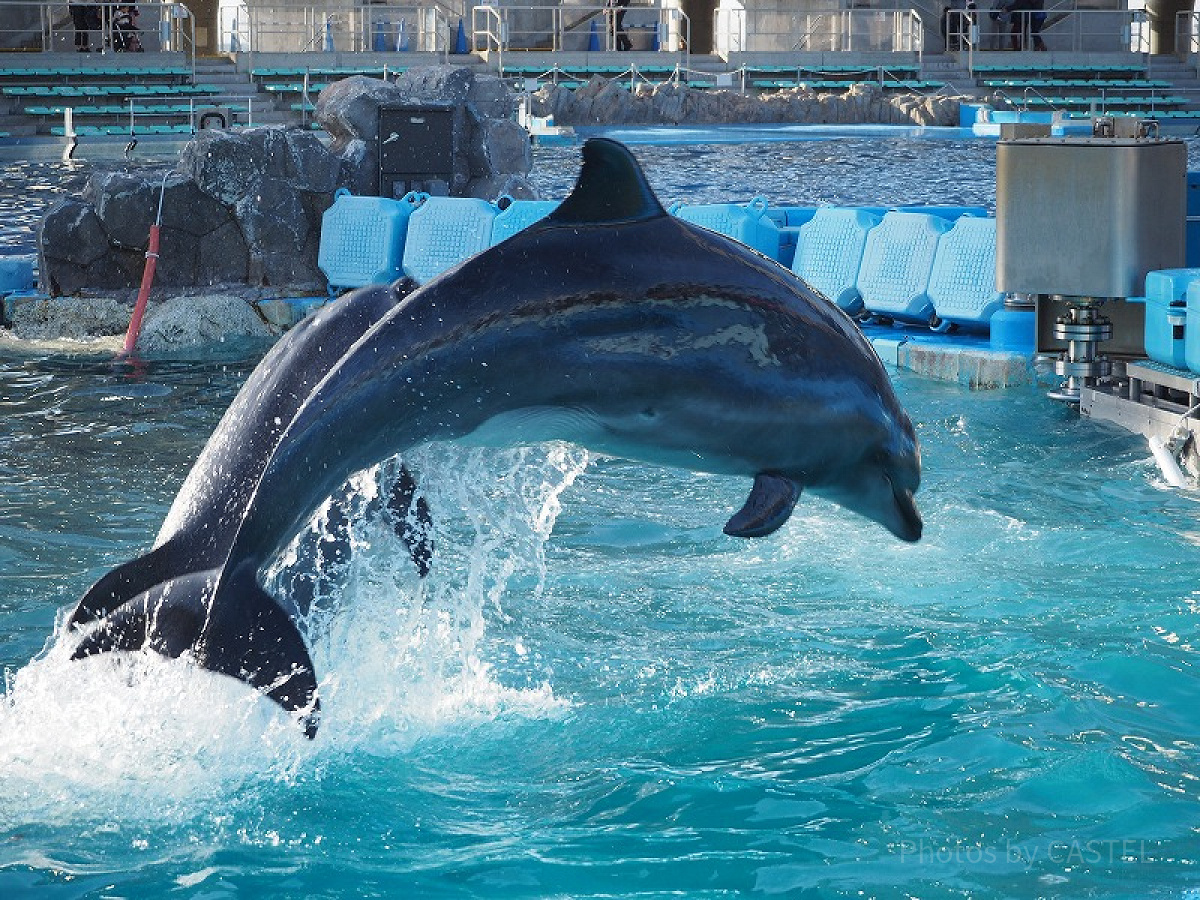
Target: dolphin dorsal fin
x=611, y=188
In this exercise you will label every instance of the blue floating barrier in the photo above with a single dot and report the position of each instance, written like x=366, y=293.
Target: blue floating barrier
x=1165, y=334
x=829, y=251
x=443, y=232
x=519, y=215
x=962, y=282
x=16, y=273
x=363, y=238
x=897, y=262
x=747, y=223
x=1013, y=330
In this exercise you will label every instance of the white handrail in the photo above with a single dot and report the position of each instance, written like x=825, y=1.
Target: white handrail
x=788, y=29
x=383, y=27
x=496, y=29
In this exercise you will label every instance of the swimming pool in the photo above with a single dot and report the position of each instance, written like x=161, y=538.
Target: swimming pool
x=597, y=693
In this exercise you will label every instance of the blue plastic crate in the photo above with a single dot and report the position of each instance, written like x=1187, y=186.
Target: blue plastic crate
x=746, y=223
x=897, y=263
x=362, y=239
x=443, y=232
x=829, y=249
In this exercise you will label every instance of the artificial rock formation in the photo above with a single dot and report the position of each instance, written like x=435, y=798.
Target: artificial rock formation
x=610, y=102
x=492, y=153
x=245, y=207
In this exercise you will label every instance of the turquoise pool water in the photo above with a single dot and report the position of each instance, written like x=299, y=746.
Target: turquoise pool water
x=597, y=694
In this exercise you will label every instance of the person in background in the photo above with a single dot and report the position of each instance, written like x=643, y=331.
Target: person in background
x=125, y=30
x=1037, y=18
x=999, y=17
x=623, y=42
x=81, y=19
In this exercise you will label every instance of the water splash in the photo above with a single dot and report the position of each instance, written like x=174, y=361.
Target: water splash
x=136, y=737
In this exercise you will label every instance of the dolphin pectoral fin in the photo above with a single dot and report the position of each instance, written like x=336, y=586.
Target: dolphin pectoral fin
x=413, y=522
x=241, y=632
x=770, y=503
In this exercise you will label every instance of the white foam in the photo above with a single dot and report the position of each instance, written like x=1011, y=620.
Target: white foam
x=134, y=736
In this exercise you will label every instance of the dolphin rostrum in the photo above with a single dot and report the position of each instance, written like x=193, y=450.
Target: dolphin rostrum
x=609, y=324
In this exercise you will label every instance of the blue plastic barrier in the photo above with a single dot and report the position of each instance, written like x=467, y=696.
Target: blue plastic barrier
x=1191, y=338
x=829, y=250
x=962, y=282
x=946, y=212
x=519, y=215
x=897, y=261
x=443, y=232
x=362, y=239
x=747, y=223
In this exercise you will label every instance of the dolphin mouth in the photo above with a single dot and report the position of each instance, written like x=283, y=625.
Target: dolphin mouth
x=908, y=525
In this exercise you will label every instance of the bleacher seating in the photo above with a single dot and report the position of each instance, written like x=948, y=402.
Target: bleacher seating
x=1081, y=89
x=107, y=94
x=292, y=80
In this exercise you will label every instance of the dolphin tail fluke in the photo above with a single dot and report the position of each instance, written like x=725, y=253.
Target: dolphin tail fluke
x=248, y=638
x=771, y=501
x=121, y=585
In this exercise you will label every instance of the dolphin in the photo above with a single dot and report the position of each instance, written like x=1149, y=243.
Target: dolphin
x=609, y=324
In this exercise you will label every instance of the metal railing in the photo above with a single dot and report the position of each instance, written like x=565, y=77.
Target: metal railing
x=496, y=29
x=202, y=112
x=1077, y=30
x=108, y=28
x=785, y=28
x=332, y=27
x=1187, y=37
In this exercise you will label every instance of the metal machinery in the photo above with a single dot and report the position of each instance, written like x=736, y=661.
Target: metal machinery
x=1079, y=223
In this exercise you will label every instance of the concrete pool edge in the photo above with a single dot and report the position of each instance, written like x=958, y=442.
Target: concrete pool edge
x=975, y=367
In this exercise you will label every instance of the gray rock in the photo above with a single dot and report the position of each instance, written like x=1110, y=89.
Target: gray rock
x=310, y=164
x=190, y=210
x=491, y=97
x=222, y=256
x=70, y=238
x=247, y=206
x=505, y=148
x=349, y=109
x=493, y=187
x=445, y=83
x=126, y=206
x=224, y=165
